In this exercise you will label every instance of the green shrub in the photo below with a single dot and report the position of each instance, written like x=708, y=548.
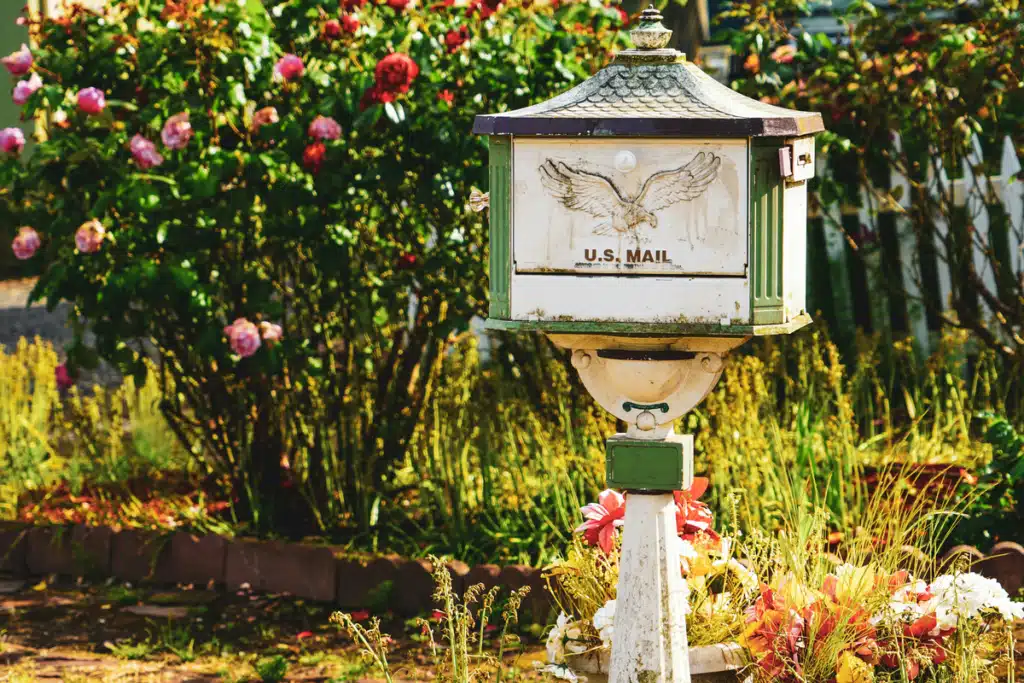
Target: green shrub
x=359, y=245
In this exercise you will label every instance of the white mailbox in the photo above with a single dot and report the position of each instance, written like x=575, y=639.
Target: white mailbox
x=650, y=199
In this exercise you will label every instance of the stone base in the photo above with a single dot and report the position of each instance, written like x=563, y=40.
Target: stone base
x=723, y=663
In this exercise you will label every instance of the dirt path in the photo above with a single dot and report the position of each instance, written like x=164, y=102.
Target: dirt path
x=79, y=633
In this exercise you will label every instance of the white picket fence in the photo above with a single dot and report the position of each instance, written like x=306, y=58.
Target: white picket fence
x=972, y=190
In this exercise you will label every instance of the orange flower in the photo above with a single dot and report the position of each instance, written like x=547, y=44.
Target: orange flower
x=752, y=64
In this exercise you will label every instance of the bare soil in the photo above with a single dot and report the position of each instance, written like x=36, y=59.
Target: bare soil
x=77, y=632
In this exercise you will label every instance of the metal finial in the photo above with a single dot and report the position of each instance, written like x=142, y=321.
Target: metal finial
x=650, y=34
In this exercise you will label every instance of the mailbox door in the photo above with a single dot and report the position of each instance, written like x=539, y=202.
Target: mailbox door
x=628, y=206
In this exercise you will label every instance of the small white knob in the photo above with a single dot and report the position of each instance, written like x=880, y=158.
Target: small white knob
x=581, y=360
x=711, y=362
x=625, y=161
x=646, y=421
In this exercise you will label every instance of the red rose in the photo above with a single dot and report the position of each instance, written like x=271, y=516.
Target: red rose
x=313, y=157
x=370, y=98
x=454, y=39
x=349, y=5
x=349, y=23
x=406, y=261
x=485, y=7
x=398, y=5
x=395, y=73
x=332, y=28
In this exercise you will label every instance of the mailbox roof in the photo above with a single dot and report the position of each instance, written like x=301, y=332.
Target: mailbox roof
x=671, y=98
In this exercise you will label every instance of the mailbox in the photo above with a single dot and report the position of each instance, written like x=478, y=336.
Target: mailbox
x=649, y=220
x=650, y=199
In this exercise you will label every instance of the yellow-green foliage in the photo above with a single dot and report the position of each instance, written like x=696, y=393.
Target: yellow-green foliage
x=95, y=437
x=29, y=401
x=792, y=426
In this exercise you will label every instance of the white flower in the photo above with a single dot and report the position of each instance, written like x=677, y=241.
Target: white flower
x=968, y=595
x=563, y=672
x=556, y=639
x=747, y=579
x=574, y=643
x=604, y=623
x=686, y=553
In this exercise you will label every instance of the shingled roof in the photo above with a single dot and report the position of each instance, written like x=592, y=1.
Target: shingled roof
x=651, y=92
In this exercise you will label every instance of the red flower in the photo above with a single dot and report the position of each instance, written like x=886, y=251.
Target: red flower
x=623, y=16
x=370, y=98
x=349, y=23
x=332, y=28
x=602, y=518
x=436, y=615
x=446, y=96
x=304, y=634
x=313, y=157
x=395, y=74
x=361, y=615
x=485, y=7
x=398, y=5
x=454, y=39
x=692, y=516
x=406, y=262
x=349, y=5
x=64, y=380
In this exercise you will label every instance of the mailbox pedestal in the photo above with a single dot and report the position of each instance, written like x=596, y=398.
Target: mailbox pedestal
x=650, y=615
x=649, y=221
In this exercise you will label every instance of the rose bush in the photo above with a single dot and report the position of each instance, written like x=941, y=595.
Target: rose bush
x=278, y=211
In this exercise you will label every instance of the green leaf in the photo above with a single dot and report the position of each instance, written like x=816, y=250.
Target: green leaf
x=544, y=23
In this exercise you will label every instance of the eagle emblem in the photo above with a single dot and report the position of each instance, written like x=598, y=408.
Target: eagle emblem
x=598, y=196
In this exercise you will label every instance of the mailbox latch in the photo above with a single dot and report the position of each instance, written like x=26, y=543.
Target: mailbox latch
x=796, y=159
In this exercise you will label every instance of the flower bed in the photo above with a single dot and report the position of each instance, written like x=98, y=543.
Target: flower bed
x=787, y=607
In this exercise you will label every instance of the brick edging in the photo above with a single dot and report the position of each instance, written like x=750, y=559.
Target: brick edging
x=314, y=572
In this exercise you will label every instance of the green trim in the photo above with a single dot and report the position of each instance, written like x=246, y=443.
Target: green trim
x=501, y=224
x=629, y=405
x=766, y=220
x=644, y=465
x=648, y=329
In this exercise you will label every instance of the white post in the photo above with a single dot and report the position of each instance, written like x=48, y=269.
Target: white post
x=938, y=186
x=976, y=187
x=1012, y=191
x=650, y=624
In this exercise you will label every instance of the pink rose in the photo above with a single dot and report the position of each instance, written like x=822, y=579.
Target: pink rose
x=324, y=128
x=26, y=243
x=24, y=89
x=244, y=337
x=12, y=141
x=63, y=377
x=289, y=67
x=18, y=63
x=90, y=236
x=271, y=332
x=144, y=152
x=177, y=131
x=91, y=100
x=784, y=54
x=264, y=117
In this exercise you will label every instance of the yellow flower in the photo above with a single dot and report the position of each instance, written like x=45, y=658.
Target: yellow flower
x=854, y=670
x=854, y=584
